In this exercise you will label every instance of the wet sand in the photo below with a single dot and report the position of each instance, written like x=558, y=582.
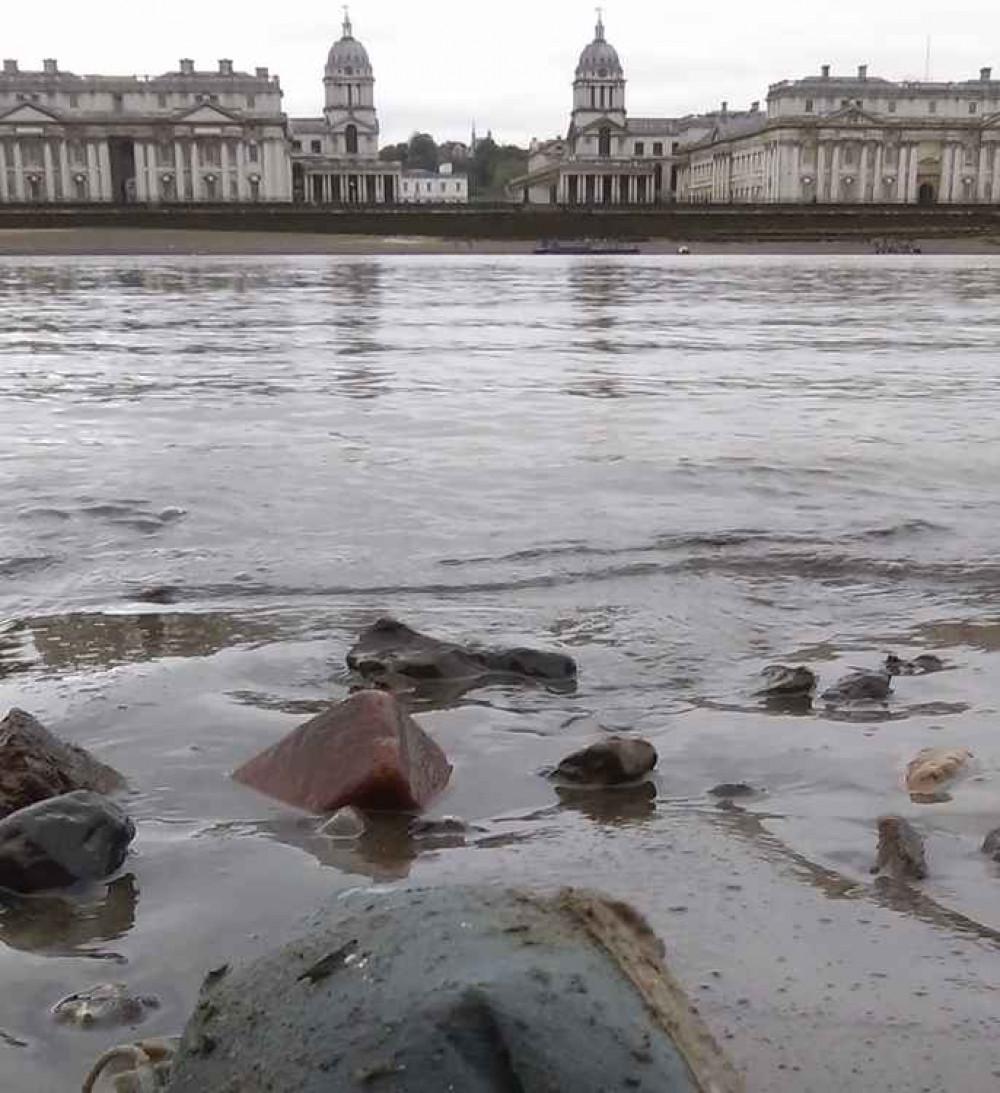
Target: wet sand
x=144, y=241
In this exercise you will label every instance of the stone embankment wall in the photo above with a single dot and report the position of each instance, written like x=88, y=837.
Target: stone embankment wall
x=722, y=223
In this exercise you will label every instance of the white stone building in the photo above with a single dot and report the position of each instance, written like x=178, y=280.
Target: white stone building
x=444, y=186
x=855, y=139
x=335, y=157
x=607, y=157
x=183, y=136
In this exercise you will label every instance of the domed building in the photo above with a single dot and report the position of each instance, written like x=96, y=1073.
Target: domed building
x=335, y=157
x=607, y=157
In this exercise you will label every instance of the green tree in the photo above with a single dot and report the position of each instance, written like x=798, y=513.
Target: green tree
x=423, y=152
x=395, y=153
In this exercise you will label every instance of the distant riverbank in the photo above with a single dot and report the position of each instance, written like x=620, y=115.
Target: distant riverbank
x=27, y=242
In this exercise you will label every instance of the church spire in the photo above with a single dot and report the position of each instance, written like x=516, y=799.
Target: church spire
x=348, y=30
x=599, y=29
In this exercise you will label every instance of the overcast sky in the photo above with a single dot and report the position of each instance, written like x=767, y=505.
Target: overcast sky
x=439, y=64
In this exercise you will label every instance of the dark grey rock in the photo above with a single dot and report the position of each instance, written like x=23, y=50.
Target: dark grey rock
x=54, y=843
x=36, y=765
x=991, y=844
x=921, y=665
x=859, y=687
x=900, y=849
x=732, y=789
x=390, y=652
x=483, y=990
x=782, y=681
x=105, y=1005
x=609, y=762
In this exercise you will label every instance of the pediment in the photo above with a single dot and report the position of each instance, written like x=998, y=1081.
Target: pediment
x=206, y=114
x=851, y=115
x=992, y=121
x=603, y=123
x=27, y=114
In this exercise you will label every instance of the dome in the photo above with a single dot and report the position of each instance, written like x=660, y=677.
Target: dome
x=348, y=57
x=600, y=59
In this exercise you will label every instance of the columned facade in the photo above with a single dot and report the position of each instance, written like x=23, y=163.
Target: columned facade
x=184, y=136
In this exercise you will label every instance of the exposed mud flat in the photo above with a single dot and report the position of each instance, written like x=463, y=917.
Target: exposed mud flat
x=217, y=473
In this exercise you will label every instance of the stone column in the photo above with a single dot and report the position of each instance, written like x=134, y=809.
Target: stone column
x=242, y=182
x=879, y=169
x=68, y=190
x=196, y=193
x=93, y=179
x=104, y=160
x=4, y=193
x=141, y=185
x=50, y=171
x=947, y=177
x=18, y=171
x=821, y=157
x=224, y=169
x=957, y=170
x=911, y=187
x=835, y=173
x=179, y=188
x=995, y=186
x=863, y=173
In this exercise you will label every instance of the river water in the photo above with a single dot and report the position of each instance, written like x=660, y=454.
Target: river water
x=679, y=470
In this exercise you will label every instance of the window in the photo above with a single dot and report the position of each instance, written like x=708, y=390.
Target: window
x=458, y=187
x=444, y=186
x=892, y=106
x=604, y=142
x=251, y=102
x=316, y=146
x=593, y=98
x=845, y=102
x=350, y=95
x=859, y=103
x=674, y=145
x=640, y=148
x=296, y=147
x=658, y=148
x=161, y=100
x=351, y=140
x=809, y=106
x=165, y=154
x=118, y=102
x=253, y=150
x=932, y=107
x=972, y=108
x=74, y=100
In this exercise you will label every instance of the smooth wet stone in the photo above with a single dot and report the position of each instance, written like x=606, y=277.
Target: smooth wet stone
x=35, y=765
x=782, y=681
x=54, y=843
x=390, y=650
x=900, y=850
x=921, y=665
x=345, y=823
x=991, y=844
x=105, y=1005
x=859, y=687
x=367, y=752
x=609, y=762
x=932, y=768
x=732, y=789
x=480, y=990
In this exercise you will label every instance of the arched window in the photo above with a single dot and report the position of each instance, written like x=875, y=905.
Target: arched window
x=351, y=140
x=604, y=142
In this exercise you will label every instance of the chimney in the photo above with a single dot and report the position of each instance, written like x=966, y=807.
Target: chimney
x=50, y=66
x=187, y=66
x=725, y=108
x=10, y=68
x=986, y=74
x=225, y=67
x=755, y=106
x=862, y=72
x=825, y=72
x=261, y=73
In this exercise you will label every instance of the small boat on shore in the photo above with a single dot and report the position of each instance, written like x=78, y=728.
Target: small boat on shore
x=586, y=246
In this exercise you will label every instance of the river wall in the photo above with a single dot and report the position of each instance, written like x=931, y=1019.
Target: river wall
x=512, y=222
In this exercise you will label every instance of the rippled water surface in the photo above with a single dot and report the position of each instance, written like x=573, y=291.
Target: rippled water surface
x=677, y=470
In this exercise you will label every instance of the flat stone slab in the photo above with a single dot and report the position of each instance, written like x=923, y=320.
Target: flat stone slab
x=35, y=765
x=482, y=990
x=75, y=837
x=367, y=752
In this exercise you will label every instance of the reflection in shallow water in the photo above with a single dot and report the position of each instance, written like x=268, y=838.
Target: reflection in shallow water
x=68, y=925
x=620, y=806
